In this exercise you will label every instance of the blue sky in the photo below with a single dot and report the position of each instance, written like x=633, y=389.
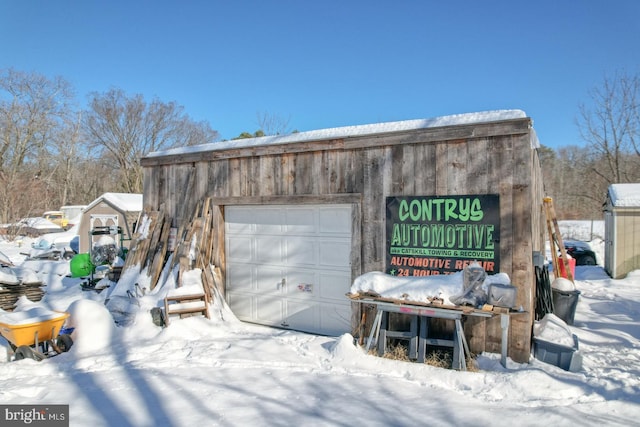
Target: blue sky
x=325, y=64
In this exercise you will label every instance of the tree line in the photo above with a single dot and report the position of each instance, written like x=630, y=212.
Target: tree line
x=577, y=177
x=53, y=153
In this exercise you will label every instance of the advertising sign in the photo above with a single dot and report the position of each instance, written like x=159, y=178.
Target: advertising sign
x=428, y=235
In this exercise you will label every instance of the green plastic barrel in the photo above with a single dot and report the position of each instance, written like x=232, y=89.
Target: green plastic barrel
x=80, y=265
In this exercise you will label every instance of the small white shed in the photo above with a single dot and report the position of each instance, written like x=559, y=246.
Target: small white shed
x=110, y=209
x=622, y=229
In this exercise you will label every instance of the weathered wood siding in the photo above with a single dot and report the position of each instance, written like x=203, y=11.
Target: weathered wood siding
x=485, y=158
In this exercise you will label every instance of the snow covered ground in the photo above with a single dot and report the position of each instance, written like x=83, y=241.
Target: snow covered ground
x=223, y=372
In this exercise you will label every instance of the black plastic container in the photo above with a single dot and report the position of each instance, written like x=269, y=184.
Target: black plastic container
x=564, y=304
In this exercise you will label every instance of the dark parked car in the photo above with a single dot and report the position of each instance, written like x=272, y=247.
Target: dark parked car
x=580, y=251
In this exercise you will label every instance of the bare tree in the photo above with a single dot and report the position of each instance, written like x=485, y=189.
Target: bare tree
x=273, y=124
x=67, y=151
x=122, y=129
x=32, y=108
x=611, y=128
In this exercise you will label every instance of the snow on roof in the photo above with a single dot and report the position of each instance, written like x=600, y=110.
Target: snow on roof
x=625, y=195
x=351, y=131
x=128, y=202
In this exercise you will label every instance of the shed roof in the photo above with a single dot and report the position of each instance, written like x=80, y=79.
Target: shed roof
x=625, y=195
x=127, y=202
x=350, y=131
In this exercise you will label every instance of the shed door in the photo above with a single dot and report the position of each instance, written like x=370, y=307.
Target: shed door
x=102, y=220
x=289, y=266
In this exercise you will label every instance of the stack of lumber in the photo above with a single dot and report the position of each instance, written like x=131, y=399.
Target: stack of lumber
x=192, y=249
x=9, y=294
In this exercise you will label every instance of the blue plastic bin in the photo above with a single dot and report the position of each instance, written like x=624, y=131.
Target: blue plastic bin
x=558, y=355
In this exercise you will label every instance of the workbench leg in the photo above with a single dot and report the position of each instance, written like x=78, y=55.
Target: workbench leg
x=459, y=345
x=422, y=340
x=382, y=335
x=413, y=341
x=375, y=329
x=504, y=325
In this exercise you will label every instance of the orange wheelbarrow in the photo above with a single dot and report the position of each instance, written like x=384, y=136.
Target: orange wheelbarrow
x=36, y=333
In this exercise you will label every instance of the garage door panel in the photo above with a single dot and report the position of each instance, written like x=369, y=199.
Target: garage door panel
x=335, y=220
x=300, y=221
x=240, y=275
x=269, y=280
x=269, y=249
x=239, y=221
x=335, y=253
x=300, y=251
x=302, y=284
x=239, y=249
x=240, y=304
x=269, y=310
x=303, y=316
x=267, y=220
x=334, y=286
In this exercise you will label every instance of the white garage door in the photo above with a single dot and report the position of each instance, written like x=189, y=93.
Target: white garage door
x=289, y=266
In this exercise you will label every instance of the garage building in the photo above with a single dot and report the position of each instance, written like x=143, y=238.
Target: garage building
x=300, y=216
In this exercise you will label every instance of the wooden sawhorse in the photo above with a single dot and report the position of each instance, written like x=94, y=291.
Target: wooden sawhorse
x=422, y=313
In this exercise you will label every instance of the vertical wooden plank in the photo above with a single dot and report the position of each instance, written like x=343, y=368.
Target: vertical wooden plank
x=147, y=183
x=477, y=176
x=493, y=337
x=523, y=275
x=501, y=170
x=265, y=185
x=244, y=172
x=254, y=176
x=335, y=167
x=288, y=174
x=278, y=176
x=201, y=182
x=185, y=198
x=425, y=160
x=442, y=166
x=457, y=167
x=410, y=169
x=373, y=207
x=356, y=241
x=157, y=261
x=475, y=331
x=320, y=184
x=396, y=168
x=218, y=178
x=303, y=168
x=537, y=195
x=354, y=171
x=234, y=178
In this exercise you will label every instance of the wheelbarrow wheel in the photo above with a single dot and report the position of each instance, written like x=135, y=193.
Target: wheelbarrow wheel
x=64, y=342
x=25, y=352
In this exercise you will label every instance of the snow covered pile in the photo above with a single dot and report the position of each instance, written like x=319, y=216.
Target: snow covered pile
x=449, y=289
x=221, y=371
x=553, y=329
x=34, y=314
x=93, y=325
